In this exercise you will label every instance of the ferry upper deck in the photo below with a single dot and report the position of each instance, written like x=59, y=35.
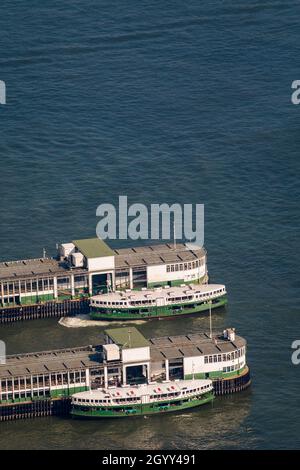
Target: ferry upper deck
x=155, y=390
x=183, y=293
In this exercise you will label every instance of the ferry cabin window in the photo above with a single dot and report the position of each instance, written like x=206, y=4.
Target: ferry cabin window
x=184, y=266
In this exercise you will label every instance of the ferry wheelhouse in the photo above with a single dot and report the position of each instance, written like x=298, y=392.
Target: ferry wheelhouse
x=157, y=303
x=146, y=399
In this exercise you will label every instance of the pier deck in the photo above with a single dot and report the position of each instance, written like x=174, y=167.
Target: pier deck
x=41, y=383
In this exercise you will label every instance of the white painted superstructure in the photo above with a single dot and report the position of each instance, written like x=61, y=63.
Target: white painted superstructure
x=145, y=393
x=159, y=296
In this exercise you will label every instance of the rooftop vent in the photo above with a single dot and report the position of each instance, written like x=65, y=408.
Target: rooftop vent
x=229, y=334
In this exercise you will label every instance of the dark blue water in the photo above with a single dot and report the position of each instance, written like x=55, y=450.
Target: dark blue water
x=163, y=102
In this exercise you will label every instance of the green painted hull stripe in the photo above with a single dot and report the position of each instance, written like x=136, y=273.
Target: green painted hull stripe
x=216, y=374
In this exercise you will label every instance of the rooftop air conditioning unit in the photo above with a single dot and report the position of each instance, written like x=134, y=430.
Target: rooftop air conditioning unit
x=66, y=249
x=77, y=260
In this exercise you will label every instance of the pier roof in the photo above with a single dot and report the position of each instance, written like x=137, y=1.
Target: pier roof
x=127, y=337
x=141, y=256
x=157, y=254
x=175, y=347
x=166, y=347
x=93, y=248
x=33, y=268
x=61, y=360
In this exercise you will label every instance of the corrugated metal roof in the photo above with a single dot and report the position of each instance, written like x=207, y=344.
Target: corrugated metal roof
x=152, y=255
x=190, y=351
x=180, y=339
x=171, y=353
x=127, y=337
x=93, y=248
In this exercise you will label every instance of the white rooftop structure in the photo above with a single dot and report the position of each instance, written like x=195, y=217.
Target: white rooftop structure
x=111, y=352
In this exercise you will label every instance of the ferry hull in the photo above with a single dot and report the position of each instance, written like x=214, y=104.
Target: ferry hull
x=141, y=409
x=155, y=313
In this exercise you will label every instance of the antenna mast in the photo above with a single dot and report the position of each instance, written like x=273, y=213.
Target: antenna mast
x=129, y=338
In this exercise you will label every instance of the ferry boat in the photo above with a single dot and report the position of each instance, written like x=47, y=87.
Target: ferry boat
x=157, y=303
x=140, y=400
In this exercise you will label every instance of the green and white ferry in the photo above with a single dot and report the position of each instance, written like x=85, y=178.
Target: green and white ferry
x=159, y=302
x=140, y=400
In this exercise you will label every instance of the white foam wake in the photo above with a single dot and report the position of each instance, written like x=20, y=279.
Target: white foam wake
x=83, y=321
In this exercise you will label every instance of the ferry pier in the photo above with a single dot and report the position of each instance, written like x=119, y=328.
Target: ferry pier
x=42, y=383
x=62, y=286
